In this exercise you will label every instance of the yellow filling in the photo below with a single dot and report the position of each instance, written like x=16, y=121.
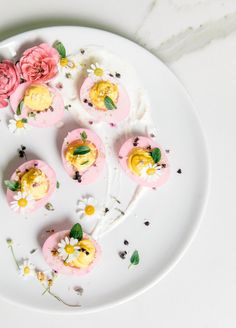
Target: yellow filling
x=35, y=183
x=84, y=260
x=139, y=158
x=100, y=90
x=38, y=98
x=81, y=162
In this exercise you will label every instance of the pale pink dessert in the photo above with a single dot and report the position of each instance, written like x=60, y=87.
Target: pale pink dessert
x=42, y=96
x=144, y=161
x=81, y=265
x=122, y=102
x=37, y=180
x=87, y=167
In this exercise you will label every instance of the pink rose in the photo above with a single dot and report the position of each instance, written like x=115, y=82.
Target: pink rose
x=9, y=81
x=39, y=63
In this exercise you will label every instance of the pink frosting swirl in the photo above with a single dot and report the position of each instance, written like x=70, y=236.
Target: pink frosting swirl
x=9, y=81
x=39, y=63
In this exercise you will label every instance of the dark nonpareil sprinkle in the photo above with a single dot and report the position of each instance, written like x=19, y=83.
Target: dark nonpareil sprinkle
x=179, y=171
x=118, y=75
x=126, y=242
x=122, y=254
x=147, y=223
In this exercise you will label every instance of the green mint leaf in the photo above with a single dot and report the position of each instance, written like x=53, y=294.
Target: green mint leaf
x=134, y=260
x=12, y=185
x=83, y=135
x=156, y=155
x=76, y=232
x=24, y=120
x=109, y=103
x=60, y=48
x=58, y=184
x=19, y=108
x=81, y=150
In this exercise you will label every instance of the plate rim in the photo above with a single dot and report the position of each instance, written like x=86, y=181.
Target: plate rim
x=201, y=210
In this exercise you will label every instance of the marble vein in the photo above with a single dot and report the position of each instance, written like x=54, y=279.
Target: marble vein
x=192, y=39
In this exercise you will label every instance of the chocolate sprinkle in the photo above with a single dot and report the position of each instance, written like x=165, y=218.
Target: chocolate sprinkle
x=111, y=75
x=82, y=51
x=106, y=210
x=118, y=75
x=122, y=254
x=85, y=101
x=179, y=171
x=90, y=104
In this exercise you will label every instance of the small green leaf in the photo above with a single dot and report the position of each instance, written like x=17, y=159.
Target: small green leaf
x=19, y=108
x=58, y=184
x=83, y=136
x=81, y=150
x=134, y=260
x=12, y=185
x=156, y=155
x=109, y=103
x=60, y=48
x=76, y=232
x=24, y=120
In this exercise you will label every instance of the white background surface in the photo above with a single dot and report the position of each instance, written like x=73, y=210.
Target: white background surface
x=196, y=40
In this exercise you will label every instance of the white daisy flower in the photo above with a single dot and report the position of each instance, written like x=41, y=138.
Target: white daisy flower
x=87, y=208
x=22, y=202
x=151, y=172
x=18, y=125
x=26, y=269
x=97, y=71
x=68, y=249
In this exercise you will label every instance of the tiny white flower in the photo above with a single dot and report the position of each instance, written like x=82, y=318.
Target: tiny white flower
x=26, y=269
x=18, y=125
x=22, y=203
x=97, y=71
x=68, y=249
x=151, y=172
x=87, y=208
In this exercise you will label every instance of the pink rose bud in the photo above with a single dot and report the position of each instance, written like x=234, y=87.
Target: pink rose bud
x=9, y=81
x=39, y=63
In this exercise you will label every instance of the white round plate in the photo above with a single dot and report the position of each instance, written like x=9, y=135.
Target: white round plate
x=174, y=211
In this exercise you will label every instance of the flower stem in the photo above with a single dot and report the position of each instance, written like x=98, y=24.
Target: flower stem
x=14, y=257
x=48, y=290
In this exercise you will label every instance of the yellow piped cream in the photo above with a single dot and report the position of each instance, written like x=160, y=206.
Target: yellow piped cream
x=86, y=254
x=100, y=90
x=81, y=162
x=139, y=158
x=35, y=183
x=38, y=98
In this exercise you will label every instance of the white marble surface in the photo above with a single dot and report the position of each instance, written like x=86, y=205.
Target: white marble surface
x=197, y=41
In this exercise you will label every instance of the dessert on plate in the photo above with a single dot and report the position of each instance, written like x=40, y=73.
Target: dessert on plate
x=71, y=252
x=83, y=155
x=144, y=161
x=30, y=186
x=103, y=96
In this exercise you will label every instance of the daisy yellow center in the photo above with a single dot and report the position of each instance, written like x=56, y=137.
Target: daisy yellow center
x=151, y=171
x=69, y=249
x=26, y=270
x=89, y=210
x=20, y=124
x=98, y=71
x=22, y=202
x=63, y=62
